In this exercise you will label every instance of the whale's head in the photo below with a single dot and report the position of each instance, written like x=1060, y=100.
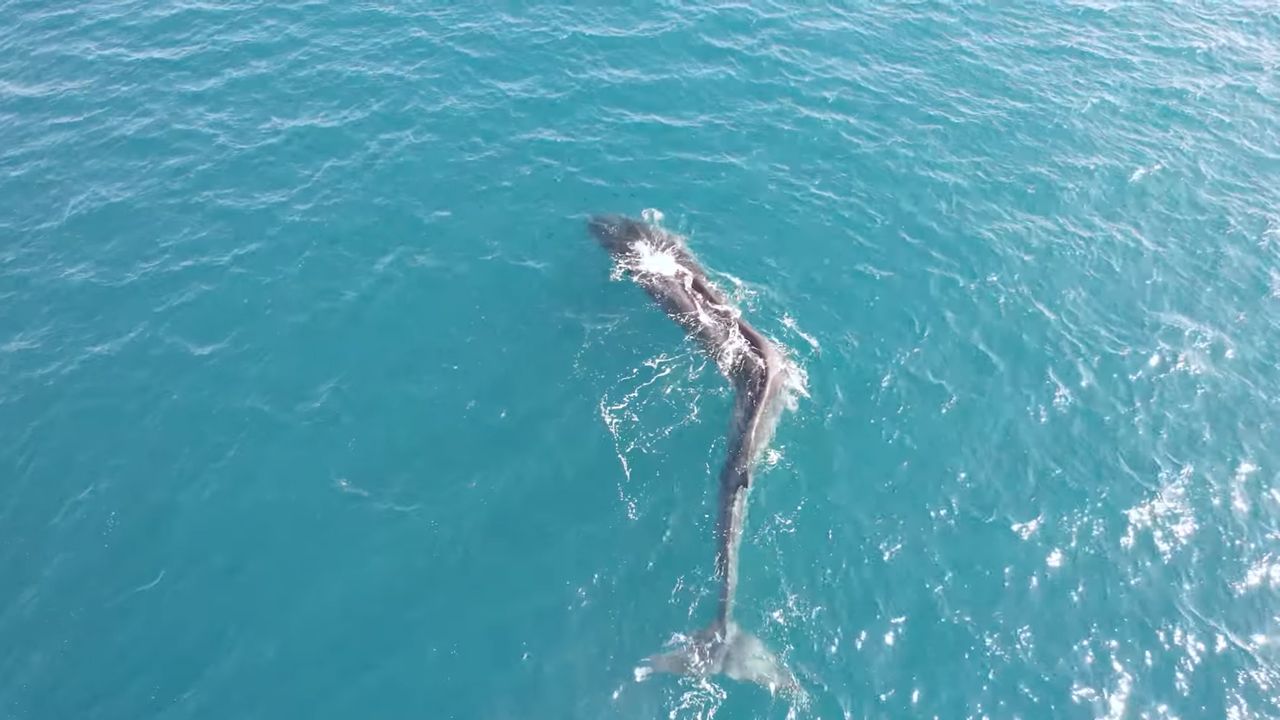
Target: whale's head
x=617, y=233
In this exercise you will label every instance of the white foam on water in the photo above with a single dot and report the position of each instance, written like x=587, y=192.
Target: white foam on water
x=651, y=384
x=655, y=261
x=731, y=350
x=1145, y=171
x=1026, y=529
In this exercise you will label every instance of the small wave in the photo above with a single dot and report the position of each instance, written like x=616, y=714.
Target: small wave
x=1145, y=171
x=196, y=349
x=790, y=323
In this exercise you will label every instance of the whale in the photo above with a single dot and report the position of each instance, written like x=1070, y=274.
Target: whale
x=661, y=263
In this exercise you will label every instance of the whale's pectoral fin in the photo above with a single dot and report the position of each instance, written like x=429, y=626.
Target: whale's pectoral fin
x=731, y=651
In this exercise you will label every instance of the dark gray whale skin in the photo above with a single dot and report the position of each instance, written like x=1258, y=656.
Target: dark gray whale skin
x=757, y=371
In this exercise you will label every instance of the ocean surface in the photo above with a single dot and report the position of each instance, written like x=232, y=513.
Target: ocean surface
x=317, y=400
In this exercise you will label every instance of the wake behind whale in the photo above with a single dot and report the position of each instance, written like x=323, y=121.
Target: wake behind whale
x=660, y=263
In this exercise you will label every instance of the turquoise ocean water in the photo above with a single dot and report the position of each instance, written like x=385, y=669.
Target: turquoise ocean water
x=317, y=400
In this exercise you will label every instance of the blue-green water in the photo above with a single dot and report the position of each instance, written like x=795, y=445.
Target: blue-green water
x=317, y=401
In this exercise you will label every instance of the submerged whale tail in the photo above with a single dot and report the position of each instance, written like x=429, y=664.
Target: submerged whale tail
x=729, y=650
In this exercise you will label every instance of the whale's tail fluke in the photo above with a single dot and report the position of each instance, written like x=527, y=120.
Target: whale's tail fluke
x=729, y=650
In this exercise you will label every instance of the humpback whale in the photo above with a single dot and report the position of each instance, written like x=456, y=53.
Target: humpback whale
x=660, y=263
